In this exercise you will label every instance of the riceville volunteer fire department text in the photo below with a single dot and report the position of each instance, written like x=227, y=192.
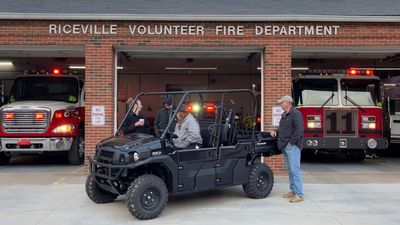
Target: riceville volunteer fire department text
x=168, y=29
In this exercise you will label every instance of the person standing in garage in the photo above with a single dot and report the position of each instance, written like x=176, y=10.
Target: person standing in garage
x=163, y=115
x=290, y=142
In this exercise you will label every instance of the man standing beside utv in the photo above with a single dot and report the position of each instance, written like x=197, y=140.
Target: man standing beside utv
x=290, y=142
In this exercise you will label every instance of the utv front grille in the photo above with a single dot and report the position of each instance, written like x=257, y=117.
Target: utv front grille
x=105, y=156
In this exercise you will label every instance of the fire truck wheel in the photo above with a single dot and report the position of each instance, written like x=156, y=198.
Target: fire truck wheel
x=4, y=159
x=76, y=154
x=356, y=155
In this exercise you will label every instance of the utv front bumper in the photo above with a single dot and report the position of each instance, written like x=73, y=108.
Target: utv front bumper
x=107, y=175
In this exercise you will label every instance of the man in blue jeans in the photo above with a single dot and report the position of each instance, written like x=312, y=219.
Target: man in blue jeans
x=290, y=142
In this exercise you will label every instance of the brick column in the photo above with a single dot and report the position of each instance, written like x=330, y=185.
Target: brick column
x=277, y=82
x=99, y=88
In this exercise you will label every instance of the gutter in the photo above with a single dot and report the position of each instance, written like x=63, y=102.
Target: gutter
x=194, y=18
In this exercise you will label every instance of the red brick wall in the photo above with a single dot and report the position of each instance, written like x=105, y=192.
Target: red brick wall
x=99, y=88
x=277, y=58
x=277, y=83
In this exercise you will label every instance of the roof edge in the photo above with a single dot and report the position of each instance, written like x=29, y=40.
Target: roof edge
x=187, y=17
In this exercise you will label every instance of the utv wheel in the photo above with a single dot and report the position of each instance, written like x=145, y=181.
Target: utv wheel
x=76, y=154
x=4, y=159
x=96, y=194
x=147, y=197
x=261, y=180
x=356, y=156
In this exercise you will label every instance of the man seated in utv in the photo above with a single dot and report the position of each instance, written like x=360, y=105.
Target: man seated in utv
x=135, y=122
x=187, y=129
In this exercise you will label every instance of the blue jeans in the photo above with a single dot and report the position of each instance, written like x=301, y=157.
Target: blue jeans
x=291, y=154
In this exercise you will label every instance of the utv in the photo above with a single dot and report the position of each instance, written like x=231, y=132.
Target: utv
x=146, y=169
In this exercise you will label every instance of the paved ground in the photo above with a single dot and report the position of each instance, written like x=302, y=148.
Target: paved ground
x=36, y=191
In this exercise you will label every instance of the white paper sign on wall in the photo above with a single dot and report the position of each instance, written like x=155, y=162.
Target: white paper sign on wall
x=276, y=115
x=98, y=115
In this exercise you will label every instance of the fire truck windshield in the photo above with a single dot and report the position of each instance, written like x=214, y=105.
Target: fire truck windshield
x=360, y=92
x=45, y=88
x=316, y=92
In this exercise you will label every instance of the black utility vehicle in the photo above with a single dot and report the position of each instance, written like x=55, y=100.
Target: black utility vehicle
x=147, y=169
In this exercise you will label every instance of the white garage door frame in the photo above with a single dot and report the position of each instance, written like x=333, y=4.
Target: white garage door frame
x=165, y=50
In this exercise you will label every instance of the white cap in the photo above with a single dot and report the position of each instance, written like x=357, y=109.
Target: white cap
x=285, y=98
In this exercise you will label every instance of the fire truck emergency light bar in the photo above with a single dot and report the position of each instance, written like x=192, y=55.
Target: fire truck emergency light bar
x=357, y=71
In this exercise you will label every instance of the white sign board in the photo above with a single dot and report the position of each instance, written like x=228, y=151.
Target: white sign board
x=98, y=115
x=276, y=115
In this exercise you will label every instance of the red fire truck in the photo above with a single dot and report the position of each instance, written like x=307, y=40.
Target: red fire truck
x=342, y=113
x=45, y=114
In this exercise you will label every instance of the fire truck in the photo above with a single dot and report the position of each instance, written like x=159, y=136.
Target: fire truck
x=341, y=113
x=45, y=113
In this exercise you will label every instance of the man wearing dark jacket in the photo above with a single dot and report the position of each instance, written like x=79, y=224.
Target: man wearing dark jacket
x=162, y=117
x=290, y=142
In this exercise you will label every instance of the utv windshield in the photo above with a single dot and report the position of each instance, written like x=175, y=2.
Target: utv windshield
x=316, y=92
x=360, y=92
x=45, y=88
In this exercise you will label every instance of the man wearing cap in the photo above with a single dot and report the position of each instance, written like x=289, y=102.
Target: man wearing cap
x=187, y=129
x=290, y=141
x=162, y=117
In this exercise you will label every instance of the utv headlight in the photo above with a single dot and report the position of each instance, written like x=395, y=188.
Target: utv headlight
x=134, y=156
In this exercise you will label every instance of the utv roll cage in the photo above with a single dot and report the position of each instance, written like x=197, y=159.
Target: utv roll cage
x=219, y=115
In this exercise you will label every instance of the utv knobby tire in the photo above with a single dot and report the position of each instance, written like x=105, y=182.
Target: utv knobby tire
x=4, y=159
x=147, y=197
x=261, y=181
x=76, y=154
x=96, y=194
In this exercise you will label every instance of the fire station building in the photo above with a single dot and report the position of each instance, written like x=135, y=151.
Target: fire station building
x=121, y=48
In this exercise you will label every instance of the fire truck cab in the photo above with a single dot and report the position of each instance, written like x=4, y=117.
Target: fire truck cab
x=45, y=113
x=341, y=113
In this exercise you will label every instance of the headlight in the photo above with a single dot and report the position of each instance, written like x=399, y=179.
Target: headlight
x=134, y=156
x=314, y=121
x=369, y=125
x=368, y=122
x=314, y=124
x=368, y=119
x=67, y=128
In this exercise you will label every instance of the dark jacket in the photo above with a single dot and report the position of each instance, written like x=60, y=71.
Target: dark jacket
x=291, y=129
x=161, y=120
x=129, y=124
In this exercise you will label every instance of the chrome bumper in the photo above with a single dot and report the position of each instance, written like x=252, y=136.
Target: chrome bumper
x=37, y=144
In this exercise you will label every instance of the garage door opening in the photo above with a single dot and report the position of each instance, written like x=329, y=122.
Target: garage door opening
x=42, y=101
x=345, y=95
x=161, y=71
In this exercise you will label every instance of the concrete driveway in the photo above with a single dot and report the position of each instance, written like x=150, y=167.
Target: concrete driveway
x=337, y=192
